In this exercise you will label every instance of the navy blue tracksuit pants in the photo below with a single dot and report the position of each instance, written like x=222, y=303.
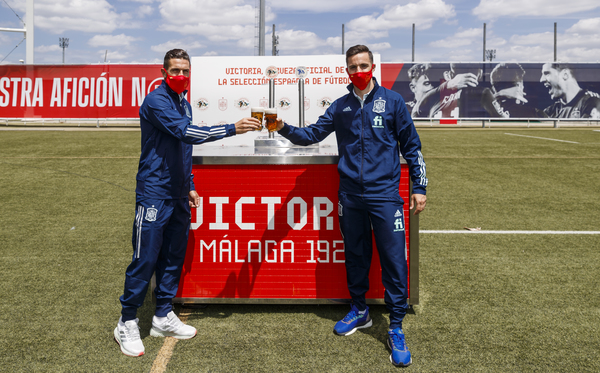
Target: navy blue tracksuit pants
x=360, y=216
x=160, y=238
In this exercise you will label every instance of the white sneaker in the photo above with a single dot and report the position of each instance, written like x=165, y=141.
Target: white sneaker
x=172, y=327
x=127, y=335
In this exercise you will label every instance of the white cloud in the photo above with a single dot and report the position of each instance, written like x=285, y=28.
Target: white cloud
x=172, y=44
x=121, y=40
x=461, y=55
x=564, y=41
x=577, y=44
x=320, y=6
x=303, y=42
x=361, y=37
x=48, y=48
x=298, y=41
x=580, y=54
x=378, y=47
x=586, y=26
x=113, y=56
x=490, y=9
x=218, y=21
x=5, y=39
x=144, y=11
x=58, y=16
x=464, y=45
x=541, y=38
x=526, y=53
x=215, y=20
x=423, y=14
x=460, y=39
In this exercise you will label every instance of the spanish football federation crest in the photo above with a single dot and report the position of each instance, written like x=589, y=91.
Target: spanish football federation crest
x=379, y=106
x=223, y=104
x=151, y=214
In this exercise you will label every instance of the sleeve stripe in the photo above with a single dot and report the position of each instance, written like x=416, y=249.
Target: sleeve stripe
x=203, y=133
x=139, y=221
x=423, y=172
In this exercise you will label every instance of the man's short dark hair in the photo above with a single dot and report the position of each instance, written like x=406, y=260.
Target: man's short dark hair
x=353, y=51
x=506, y=75
x=175, y=53
x=418, y=70
x=465, y=68
x=563, y=66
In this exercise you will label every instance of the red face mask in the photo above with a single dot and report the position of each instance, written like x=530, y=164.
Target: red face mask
x=178, y=83
x=361, y=79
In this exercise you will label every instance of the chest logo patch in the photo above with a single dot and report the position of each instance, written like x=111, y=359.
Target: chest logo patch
x=378, y=122
x=379, y=106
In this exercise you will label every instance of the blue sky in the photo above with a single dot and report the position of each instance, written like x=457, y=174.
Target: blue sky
x=141, y=31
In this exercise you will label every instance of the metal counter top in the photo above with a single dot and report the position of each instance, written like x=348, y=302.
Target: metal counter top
x=214, y=155
x=274, y=152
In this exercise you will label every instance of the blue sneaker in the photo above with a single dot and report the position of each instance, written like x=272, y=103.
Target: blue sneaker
x=400, y=355
x=353, y=321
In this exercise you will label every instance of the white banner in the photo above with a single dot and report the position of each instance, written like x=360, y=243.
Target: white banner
x=225, y=88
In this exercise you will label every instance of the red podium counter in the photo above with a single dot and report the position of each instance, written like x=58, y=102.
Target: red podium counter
x=267, y=229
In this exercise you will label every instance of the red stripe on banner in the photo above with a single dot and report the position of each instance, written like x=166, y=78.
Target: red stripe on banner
x=448, y=121
x=75, y=91
x=389, y=74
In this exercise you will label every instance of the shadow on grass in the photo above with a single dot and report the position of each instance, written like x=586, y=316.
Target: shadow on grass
x=329, y=313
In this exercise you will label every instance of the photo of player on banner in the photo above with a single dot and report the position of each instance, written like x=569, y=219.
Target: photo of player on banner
x=500, y=90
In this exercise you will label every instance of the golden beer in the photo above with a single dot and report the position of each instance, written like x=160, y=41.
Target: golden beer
x=258, y=112
x=271, y=119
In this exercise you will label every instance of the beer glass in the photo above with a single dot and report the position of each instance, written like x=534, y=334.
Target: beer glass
x=258, y=112
x=271, y=119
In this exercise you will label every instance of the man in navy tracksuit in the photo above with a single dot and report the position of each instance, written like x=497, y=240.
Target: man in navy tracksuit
x=371, y=124
x=165, y=193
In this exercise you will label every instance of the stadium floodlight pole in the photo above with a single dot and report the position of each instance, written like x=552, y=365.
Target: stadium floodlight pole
x=343, y=35
x=261, y=29
x=554, y=41
x=413, y=44
x=484, y=42
x=275, y=41
x=29, y=33
x=64, y=44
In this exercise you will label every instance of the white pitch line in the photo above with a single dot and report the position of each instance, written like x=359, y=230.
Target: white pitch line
x=508, y=232
x=541, y=138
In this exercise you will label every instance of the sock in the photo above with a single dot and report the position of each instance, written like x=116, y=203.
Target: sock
x=124, y=319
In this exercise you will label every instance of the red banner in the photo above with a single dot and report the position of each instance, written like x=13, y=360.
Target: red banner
x=274, y=236
x=75, y=91
x=89, y=91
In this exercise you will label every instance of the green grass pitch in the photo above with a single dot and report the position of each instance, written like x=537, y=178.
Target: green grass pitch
x=489, y=303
